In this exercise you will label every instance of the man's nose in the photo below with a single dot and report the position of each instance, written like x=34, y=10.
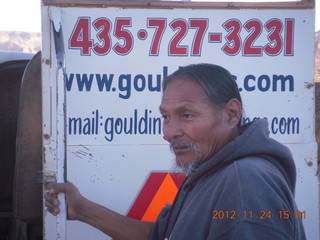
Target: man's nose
x=172, y=129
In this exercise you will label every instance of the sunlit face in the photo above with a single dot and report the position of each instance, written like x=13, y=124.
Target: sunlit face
x=195, y=128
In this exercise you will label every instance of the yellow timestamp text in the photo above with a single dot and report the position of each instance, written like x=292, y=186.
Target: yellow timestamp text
x=262, y=214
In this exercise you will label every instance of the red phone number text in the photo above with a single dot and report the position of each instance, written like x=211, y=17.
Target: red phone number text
x=118, y=36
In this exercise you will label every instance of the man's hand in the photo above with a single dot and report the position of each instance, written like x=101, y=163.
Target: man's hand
x=79, y=208
x=74, y=199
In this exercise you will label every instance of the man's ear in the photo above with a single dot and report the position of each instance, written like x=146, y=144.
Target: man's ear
x=234, y=112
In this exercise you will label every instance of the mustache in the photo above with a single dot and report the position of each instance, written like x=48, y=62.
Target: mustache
x=181, y=143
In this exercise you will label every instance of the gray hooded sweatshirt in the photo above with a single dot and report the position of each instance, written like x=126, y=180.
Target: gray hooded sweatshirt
x=244, y=192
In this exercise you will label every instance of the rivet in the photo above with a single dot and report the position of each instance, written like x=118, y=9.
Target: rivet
x=310, y=163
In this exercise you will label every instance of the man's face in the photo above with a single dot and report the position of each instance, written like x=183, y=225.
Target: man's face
x=195, y=128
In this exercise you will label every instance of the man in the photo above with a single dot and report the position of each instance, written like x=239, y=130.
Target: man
x=238, y=179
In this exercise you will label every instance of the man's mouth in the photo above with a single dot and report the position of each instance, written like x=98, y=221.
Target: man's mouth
x=178, y=150
x=180, y=146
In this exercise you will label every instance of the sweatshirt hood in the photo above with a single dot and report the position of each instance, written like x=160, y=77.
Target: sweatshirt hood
x=253, y=140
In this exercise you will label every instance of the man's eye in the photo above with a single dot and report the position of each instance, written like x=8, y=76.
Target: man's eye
x=187, y=115
x=164, y=117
